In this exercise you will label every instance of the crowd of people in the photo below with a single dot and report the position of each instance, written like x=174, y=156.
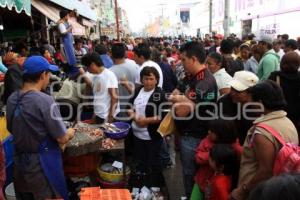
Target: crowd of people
x=222, y=93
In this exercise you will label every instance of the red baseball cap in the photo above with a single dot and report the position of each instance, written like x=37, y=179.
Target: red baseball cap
x=219, y=36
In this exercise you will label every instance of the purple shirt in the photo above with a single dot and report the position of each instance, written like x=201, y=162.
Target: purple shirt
x=39, y=117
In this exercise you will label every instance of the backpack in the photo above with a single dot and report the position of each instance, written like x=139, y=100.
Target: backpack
x=288, y=158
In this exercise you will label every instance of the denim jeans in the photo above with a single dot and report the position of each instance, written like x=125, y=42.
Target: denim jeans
x=164, y=153
x=188, y=147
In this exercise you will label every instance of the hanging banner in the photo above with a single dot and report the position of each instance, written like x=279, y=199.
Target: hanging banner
x=185, y=15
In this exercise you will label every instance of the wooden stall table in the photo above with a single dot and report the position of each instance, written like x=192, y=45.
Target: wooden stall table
x=82, y=154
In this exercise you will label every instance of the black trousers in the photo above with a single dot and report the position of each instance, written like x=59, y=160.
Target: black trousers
x=146, y=155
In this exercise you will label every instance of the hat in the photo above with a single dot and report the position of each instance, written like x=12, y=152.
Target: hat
x=266, y=39
x=10, y=58
x=36, y=64
x=219, y=36
x=242, y=80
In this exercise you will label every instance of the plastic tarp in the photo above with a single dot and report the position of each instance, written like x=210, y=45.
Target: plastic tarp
x=49, y=11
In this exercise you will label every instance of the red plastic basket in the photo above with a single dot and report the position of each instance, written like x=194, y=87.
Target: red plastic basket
x=81, y=165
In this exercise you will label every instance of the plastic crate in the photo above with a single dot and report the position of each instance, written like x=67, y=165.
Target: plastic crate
x=91, y=193
x=115, y=194
x=95, y=193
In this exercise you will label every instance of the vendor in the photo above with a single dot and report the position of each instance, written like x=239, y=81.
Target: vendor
x=105, y=88
x=65, y=30
x=34, y=121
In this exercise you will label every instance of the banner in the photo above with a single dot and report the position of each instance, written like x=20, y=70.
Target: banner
x=185, y=15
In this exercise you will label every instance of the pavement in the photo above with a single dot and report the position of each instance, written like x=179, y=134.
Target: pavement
x=174, y=180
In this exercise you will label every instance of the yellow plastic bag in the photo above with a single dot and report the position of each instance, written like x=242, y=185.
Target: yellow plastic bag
x=3, y=130
x=167, y=125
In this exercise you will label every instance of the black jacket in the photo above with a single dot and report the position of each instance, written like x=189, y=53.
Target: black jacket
x=230, y=109
x=13, y=81
x=157, y=98
x=290, y=84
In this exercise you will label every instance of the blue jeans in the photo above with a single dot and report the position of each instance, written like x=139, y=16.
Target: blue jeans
x=164, y=153
x=188, y=147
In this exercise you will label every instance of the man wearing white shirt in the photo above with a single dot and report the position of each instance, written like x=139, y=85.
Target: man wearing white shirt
x=277, y=48
x=105, y=88
x=142, y=54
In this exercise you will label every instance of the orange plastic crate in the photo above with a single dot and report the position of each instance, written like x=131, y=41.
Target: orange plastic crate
x=95, y=193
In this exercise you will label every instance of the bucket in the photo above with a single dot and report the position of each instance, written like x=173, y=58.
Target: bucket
x=10, y=192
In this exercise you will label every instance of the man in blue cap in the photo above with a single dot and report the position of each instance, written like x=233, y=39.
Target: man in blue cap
x=34, y=120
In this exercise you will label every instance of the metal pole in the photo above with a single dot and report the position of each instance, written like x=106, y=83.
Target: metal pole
x=47, y=29
x=226, y=18
x=99, y=28
x=117, y=20
x=210, y=16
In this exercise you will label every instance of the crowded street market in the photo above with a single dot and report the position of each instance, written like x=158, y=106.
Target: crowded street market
x=149, y=100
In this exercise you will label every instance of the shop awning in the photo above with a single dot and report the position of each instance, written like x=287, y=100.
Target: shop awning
x=49, y=11
x=82, y=8
x=53, y=14
x=78, y=29
x=19, y=5
x=88, y=23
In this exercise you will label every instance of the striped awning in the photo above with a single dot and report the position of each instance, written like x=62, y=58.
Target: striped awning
x=82, y=8
x=19, y=5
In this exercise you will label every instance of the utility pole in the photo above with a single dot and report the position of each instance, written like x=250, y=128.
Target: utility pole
x=117, y=20
x=210, y=16
x=226, y=18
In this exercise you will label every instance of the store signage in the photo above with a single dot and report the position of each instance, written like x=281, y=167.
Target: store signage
x=271, y=30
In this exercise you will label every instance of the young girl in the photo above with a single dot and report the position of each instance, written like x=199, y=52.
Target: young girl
x=219, y=132
x=223, y=160
x=145, y=121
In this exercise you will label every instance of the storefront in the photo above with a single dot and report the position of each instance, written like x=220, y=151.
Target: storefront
x=267, y=17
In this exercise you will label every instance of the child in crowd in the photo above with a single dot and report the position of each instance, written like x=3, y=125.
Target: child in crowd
x=223, y=160
x=220, y=131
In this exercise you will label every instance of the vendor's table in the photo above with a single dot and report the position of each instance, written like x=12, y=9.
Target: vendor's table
x=90, y=153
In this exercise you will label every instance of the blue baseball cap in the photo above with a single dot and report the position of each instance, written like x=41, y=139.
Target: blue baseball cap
x=36, y=64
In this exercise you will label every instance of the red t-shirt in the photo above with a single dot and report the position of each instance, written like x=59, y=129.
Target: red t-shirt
x=130, y=55
x=204, y=172
x=218, y=187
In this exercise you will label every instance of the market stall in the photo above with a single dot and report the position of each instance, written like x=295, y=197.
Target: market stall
x=83, y=154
